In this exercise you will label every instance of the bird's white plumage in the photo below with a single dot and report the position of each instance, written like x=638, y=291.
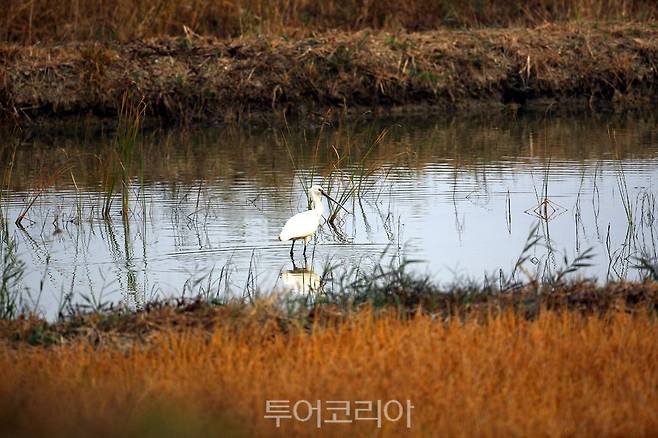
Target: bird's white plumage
x=300, y=226
x=303, y=225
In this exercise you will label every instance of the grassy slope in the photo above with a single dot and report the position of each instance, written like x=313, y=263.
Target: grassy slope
x=472, y=362
x=559, y=374
x=190, y=78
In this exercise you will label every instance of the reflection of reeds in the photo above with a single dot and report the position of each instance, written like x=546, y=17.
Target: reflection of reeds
x=481, y=141
x=625, y=196
x=42, y=186
x=12, y=272
x=8, y=155
x=508, y=212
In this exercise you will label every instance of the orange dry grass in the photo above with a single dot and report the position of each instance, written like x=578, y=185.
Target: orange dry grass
x=562, y=374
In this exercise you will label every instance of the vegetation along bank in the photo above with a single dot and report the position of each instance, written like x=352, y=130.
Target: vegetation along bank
x=191, y=78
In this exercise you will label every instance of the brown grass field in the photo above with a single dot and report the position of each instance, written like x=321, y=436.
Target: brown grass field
x=187, y=79
x=560, y=374
x=32, y=21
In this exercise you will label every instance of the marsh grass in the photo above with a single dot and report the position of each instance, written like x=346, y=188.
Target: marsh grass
x=32, y=21
x=341, y=158
x=202, y=374
x=354, y=178
x=388, y=283
x=625, y=197
x=638, y=249
x=308, y=72
x=8, y=155
x=383, y=283
x=118, y=163
x=343, y=169
x=43, y=185
x=13, y=270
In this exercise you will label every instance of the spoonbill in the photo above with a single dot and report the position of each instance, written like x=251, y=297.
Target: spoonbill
x=303, y=225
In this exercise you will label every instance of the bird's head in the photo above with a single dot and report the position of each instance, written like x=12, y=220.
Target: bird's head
x=317, y=190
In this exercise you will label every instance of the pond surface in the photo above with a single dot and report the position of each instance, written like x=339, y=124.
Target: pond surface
x=459, y=196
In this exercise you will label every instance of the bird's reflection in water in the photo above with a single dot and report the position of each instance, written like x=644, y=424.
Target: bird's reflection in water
x=301, y=280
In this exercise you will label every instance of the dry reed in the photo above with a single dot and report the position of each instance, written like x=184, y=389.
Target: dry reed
x=562, y=374
x=31, y=21
x=188, y=79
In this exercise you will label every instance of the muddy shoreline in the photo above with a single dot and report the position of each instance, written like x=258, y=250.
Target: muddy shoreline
x=193, y=79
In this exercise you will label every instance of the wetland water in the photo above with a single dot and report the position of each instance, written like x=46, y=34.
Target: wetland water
x=205, y=206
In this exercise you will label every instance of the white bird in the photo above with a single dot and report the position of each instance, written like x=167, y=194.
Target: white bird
x=303, y=225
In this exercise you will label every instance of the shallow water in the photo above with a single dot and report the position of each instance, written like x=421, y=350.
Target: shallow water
x=205, y=206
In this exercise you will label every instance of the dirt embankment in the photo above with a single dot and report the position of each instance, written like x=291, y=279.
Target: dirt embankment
x=195, y=78
x=118, y=327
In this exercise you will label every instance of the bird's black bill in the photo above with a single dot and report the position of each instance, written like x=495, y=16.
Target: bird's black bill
x=335, y=202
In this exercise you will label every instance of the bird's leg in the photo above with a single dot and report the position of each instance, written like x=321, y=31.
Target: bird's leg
x=306, y=240
x=291, y=248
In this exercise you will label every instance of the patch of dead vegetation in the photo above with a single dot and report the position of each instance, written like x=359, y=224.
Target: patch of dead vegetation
x=529, y=302
x=194, y=78
x=560, y=373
